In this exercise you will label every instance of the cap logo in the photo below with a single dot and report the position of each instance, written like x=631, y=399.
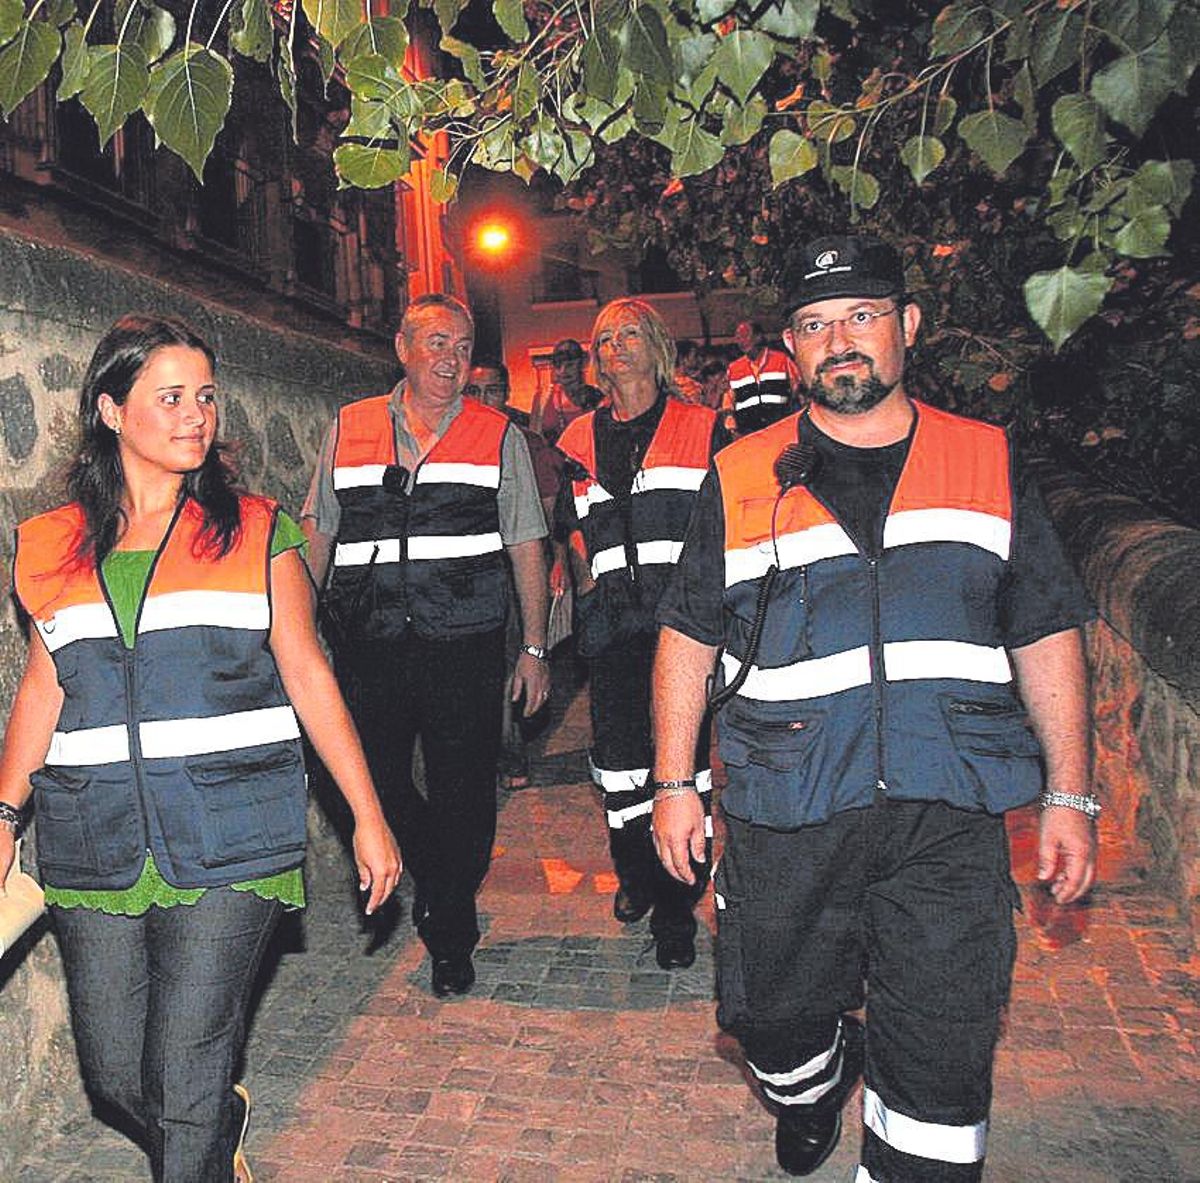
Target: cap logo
x=826, y=259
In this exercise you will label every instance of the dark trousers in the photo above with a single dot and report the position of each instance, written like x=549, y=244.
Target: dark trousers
x=622, y=760
x=447, y=693
x=158, y=1007
x=908, y=905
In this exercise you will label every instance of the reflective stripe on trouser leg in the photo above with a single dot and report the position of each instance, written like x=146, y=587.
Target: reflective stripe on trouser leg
x=808, y=1082
x=907, y=1149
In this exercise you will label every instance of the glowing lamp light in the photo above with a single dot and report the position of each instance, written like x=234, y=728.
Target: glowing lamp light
x=493, y=238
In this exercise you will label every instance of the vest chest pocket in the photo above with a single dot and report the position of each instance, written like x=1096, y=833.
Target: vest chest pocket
x=250, y=809
x=784, y=744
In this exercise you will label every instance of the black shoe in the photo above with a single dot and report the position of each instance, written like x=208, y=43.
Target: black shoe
x=805, y=1136
x=675, y=950
x=628, y=906
x=453, y=975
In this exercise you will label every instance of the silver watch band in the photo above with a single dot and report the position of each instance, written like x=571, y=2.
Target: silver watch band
x=1081, y=802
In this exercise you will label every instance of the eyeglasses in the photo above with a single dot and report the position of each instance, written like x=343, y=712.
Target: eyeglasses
x=857, y=324
x=473, y=391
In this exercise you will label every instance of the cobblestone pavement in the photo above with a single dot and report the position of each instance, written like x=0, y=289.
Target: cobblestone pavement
x=576, y=1058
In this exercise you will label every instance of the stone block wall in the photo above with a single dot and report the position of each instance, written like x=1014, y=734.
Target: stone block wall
x=1143, y=571
x=277, y=393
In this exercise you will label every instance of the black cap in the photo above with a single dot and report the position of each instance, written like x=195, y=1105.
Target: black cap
x=837, y=266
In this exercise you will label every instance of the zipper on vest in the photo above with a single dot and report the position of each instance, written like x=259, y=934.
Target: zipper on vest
x=877, y=675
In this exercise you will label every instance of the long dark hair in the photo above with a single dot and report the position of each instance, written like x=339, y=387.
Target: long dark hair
x=96, y=478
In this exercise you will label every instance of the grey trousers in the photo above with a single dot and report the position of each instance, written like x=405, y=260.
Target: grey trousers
x=158, y=1007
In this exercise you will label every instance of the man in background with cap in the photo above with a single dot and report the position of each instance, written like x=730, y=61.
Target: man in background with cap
x=569, y=396
x=873, y=579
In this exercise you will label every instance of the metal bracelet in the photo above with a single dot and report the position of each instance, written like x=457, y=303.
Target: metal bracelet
x=1080, y=802
x=11, y=817
x=665, y=790
x=686, y=782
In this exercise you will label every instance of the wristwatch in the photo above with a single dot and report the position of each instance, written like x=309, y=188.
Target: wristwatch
x=1081, y=802
x=538, y=651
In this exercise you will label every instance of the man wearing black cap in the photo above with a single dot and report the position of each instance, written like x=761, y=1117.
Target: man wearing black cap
x=569, y=396
x=873, y=580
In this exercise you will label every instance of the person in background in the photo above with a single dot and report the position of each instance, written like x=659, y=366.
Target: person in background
x=761, y=383
x=634, y=467
x=569, y=395
x=686, y=378
x=418, y=497
x=888, y=599
x=155, y=727
x=488, y=383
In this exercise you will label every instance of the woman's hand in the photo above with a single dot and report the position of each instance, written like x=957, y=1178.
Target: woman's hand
x=8, y=853
x=378, y=860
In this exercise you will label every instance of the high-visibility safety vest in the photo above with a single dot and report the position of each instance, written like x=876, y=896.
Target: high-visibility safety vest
x=873, y=676
x=631, y=556
x=433, y=558
x=185, y=744
x=761, y=393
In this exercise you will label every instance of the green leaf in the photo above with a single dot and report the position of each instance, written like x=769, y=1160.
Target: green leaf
x=1026, y=99
x=743, y=123
x=442, y=186
x=525, y=92
x=790, y=155
x=495, y=149
x=1060, y=301
x=1018, y=41
x=694, y=150
x=253, y=35
x=369, y=120
x=943, y=114
x=1132, y=24
x=189, y=98
x=693, y=55
x=1078, y=123
x=921, y=155
x=1066, y=223
x=74, y=63
x=544, y=143
x=367, y=167
x=649, y=107
x=829, y=123
x=1145, y=235
x=26, y=60
x=385, y=36
x=510, y=16
x=285, y=75
x=859, y=186
x=1056, y=44
x=997, y=138
x=371, y=77
x=577, y=155
x=58, y=12
x=117, y=80
x=599, y=60
x=646, y=51
x=742, y=59
x=150, y=27
x=958, y=27
x=1133, y=87
x=334, y=19
x=1162, y=182
x=793, y=20
x=12, y=13
x=468, y=55
x=618, y=129
x=711, y=11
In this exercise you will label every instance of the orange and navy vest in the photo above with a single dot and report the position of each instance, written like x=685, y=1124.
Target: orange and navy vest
x=631, y=555
x=432, y=558
x=185, y=744
x=874, y=676
x=761, y=394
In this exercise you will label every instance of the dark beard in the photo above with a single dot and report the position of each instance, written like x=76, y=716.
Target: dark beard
x=846, y=395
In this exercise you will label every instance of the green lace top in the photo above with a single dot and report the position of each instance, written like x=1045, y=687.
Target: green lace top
x=125, y=573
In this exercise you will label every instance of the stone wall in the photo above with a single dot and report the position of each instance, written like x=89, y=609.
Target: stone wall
x=1143, y=572
x=277, y=389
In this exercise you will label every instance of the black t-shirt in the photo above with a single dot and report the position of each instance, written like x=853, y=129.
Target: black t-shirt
x=1039, y=594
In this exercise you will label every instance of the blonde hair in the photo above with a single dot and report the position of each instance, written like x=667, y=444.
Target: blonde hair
x=658, y=338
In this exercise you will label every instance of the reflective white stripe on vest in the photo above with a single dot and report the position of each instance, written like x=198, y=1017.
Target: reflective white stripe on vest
x=81, y=622
x=433, y=472
x=818, y=1063
x=765, y=376
x=862, y=1175
x=246, y=610
x=453, y=546
x=813, y=678
x=359, y=476
x=668, y=477
x=905, y=661
x=165, y=738
x=358, y=554
x=89, y=745
x=925, y=1139
x=754, y=400
x=661, y=550
x=800, y=548
x=594, y=494
x=619, y=780
x=913, y=526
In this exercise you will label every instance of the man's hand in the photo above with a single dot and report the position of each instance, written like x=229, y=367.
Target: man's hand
x=531, y=678
x=1066, y=853
x=678, y=830
x=378, y=860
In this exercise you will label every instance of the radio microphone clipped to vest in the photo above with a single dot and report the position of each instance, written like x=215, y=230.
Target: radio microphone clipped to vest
x=395, y=480
x=796, y=465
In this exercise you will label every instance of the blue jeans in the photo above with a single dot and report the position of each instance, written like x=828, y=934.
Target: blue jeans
x=158, y=1006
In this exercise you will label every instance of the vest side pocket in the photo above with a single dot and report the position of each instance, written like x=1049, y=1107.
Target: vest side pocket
x=997, y=748
x=85, y=826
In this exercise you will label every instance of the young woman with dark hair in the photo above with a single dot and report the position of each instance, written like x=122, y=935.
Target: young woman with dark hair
x=156, y=728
